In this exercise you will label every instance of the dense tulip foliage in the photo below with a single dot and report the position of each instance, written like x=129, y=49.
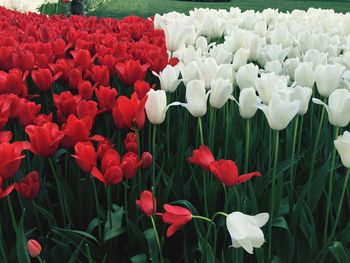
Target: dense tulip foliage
x=177, y=138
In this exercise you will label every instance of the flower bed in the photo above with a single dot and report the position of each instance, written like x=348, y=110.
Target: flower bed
x=108, y=138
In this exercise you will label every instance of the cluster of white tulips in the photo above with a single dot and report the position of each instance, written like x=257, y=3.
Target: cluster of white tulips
x=25, y=6
x=276, y=62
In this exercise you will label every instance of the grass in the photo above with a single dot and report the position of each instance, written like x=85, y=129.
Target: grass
x=146, y=8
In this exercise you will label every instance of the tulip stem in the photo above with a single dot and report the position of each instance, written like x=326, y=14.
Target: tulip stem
x=330, y=186
x=202, y=218
x=97, y=208
x=59, y=190
x=109, y=203
x=292, y=170
x=272, y=209
x=247, y=146
x=154, y=156
x=200, y=130
x=12, y=214
x=314, y=152
x=88, y=253
x=157, y=238
x=40, y=259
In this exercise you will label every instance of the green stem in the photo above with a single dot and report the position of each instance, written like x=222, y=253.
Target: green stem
x=154, y=156
x=89, y=253
x=157, y=238
x=200, y=130
x=12, y=214
x=167, y=134
x=247, y=145
x=97, y=208
x=330, y=186
x=202, y=218
x=40, y=259
x=109, y=201
x=315, y=152
x=59, y=191
x=292, y=170
x=272, y=210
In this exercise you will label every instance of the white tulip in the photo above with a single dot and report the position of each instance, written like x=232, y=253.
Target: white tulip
x=338, y=107
x=247, y=75
x=316, y=57
x=226, y=71
x=207, y=70
x=304, y=75
x=279, y=112
x=247, y=103
x=342, y=144
x=289, y=66
x=302, y=94
x=220, y=92
x=260, y=28
x=273, y=66
x=196, y=98
x=245, y=230
x=177, y=35
x=328, y=78
x=305, y=41
x=269, y=83
x=156, y=106
x=221, y=55
x=169, y=78
x=240, y=58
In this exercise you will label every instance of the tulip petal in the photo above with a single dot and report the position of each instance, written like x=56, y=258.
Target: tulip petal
x=245, y=177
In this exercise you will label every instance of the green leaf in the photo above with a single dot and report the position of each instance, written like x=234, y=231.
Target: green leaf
x=74, y=233
x=49, y=217
x=280, y=222
x=339, y=252
x=140, y=258
x=152, y=243
x=93, y=224
x=21, y=243
x=117, y=229
x=74, y=257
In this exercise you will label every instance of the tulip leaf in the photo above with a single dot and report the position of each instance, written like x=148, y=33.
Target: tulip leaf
x=280, y=222
x=140, y=258
x=21, y=242
x=152, y=243
x=49, y=217
x=93, y=224
x=116, y=229
x=339, y=252
x=317, y=186
x=74, y=256
x=74, y=234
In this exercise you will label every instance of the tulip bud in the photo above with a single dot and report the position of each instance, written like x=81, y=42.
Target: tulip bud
x=328, y=78
x=169, y=78
x=34, y=248
x=247, y=103
x=147, y=160
x=240, y=58
x=304, y=75
x=196, y=98
x=342, y=144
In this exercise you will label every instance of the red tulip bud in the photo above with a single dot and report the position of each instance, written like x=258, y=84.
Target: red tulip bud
x=147, y=160
x=34, y=248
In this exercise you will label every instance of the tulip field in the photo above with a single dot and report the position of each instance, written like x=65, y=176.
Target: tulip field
x=215, y=135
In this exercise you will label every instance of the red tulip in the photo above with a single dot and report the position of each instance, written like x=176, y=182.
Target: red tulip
x=100, y=75
x=29, y=186
x=6, y=191
x=13, y=82
x=66, y=104
x=24, y=60
x=74, y=77
x=4, y=112
x=43, y=79
x=103, y=146
x=227, y=172
x=106, y=97
x=82, y=58
x=130, y=164
x=111, y=173
x=44, y=139
x=5, y=136
x=76, y=130
x=41, y=119
x=27, y=112
x=141, y=88
x=131, y=71
x=87, y=108
x=202, y=157
x=130, y=142
x=34, y=248
x=147, y=160
x=85, y=89
x=177, y=216
x=11, y=156
x=129, y=113
x=85, y=155
x=146, y=203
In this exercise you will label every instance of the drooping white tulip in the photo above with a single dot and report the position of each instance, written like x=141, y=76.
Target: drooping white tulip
x=169, y=78
x=338, y=107
x=245, y=230
x=304, y=75
x=247, y=103
x=279, y=112
x=342, y=144
x=247, y=75
x=328, y=78
x=220, y=92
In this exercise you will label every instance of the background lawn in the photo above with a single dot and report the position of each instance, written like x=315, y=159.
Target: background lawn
x=145, y=8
